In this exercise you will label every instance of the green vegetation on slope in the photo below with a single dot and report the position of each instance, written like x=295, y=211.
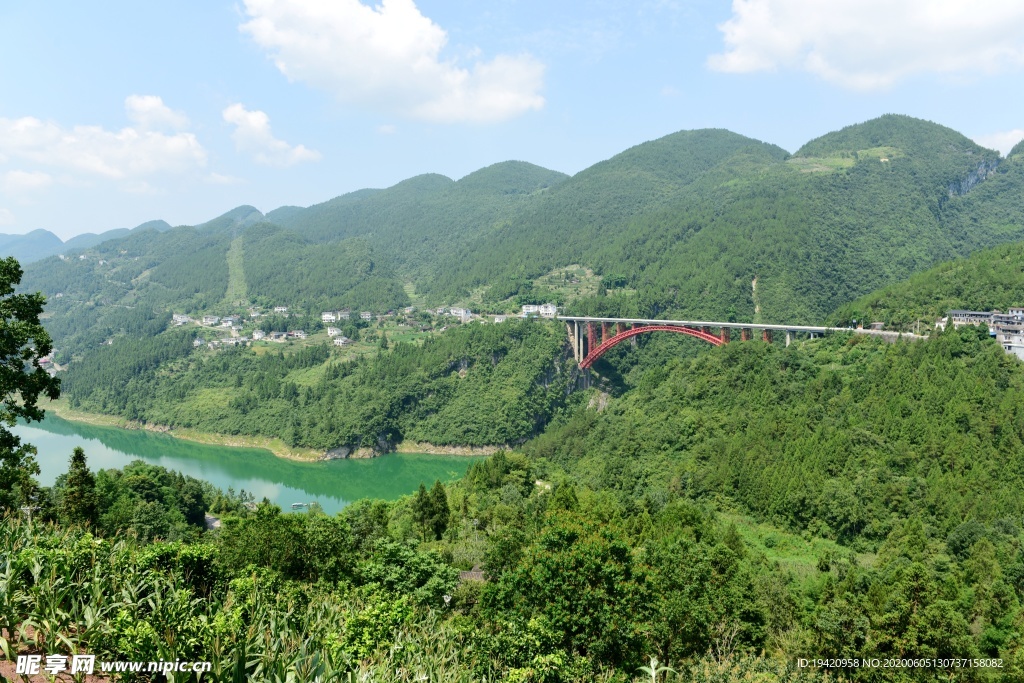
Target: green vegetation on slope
x=992, y=279
x=474, y=385
x=844, y=437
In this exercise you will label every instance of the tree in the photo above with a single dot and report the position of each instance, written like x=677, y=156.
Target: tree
x=23, y=342
x=78, y=499
x=440, y=513
x=581, y=578
x=421, y=508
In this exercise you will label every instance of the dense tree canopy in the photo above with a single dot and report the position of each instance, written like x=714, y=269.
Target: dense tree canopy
x=23, y=381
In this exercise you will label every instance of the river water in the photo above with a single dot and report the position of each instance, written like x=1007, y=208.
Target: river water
x=333, y=484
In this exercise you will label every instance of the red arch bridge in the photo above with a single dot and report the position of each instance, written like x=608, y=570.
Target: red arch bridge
x=591, y=338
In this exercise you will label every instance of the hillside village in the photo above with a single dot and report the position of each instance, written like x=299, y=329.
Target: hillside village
x=242, y=332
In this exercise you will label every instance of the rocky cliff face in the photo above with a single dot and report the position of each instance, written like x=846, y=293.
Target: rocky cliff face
x=978, y=175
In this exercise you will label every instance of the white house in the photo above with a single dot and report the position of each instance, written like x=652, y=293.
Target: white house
x=179, y=318
x=333, y=331
x=280, y=309
x=409, y=309
x=343, y=315
x=329, y=317
x=298, y=334
x=366, y=315
x=548, y=311
x=530, y=309
x=500, y=318
x=211, y=319
x=462, y=314
x=342, y=341
x=258, y=334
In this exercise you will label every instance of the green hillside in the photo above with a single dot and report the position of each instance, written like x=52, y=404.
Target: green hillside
x=31, y=246
x=420, y=221
x=815, y=231
x=991, y=279
x=477, y=385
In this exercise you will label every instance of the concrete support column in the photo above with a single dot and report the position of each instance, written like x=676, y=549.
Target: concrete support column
x=604, y=332
x=789, y=337
x=591, y=336
x=724, y=335
x=766, y=335
x=745, y=334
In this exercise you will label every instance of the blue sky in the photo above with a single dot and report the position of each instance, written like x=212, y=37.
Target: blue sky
x=115, y=113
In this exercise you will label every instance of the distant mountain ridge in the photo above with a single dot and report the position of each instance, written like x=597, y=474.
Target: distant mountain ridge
x=39, y=244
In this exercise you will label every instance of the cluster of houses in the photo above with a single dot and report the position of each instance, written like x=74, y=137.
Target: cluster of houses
x=1007, y=328
x=543, y=311
x=47, y=364
x=335, y=333
x=528, y=311
x=257, y=335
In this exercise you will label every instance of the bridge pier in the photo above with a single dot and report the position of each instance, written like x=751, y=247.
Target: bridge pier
x=724, y=335
x=745, y=334
x=766, y=335
x=788, y=337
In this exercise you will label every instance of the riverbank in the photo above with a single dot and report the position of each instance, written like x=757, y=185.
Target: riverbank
x=279, y=448
x=433, y=449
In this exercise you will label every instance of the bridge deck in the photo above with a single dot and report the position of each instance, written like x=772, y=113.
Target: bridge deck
x=735, y=326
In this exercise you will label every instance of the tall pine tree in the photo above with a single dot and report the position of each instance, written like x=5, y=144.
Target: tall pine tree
x=78, y=500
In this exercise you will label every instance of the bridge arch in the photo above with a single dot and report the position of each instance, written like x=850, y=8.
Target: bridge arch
x=607, y=344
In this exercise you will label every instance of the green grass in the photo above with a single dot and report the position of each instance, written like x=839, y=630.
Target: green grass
x=237, y=290
x=820, y=164
x=306, y=377
x=797, y=553
x=573, y=281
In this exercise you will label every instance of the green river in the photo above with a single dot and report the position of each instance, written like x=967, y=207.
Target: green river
x=333, y=484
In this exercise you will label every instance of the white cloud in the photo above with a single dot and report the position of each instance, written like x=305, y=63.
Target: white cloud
x=872, y=44
x=388, y=57
x=252, y=135
x=18, y=182
x=387, y=129
x=149, y=112
x=6, y=217
x=94, y=151
x=221, y=179
x=1003, y=141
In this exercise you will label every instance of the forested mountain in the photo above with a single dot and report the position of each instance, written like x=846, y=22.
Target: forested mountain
x=991, y=279
x=475, y=385
x=846, y=214
x=39, y=244
x=688, y=221
x=31, y=246
x=705, y=223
